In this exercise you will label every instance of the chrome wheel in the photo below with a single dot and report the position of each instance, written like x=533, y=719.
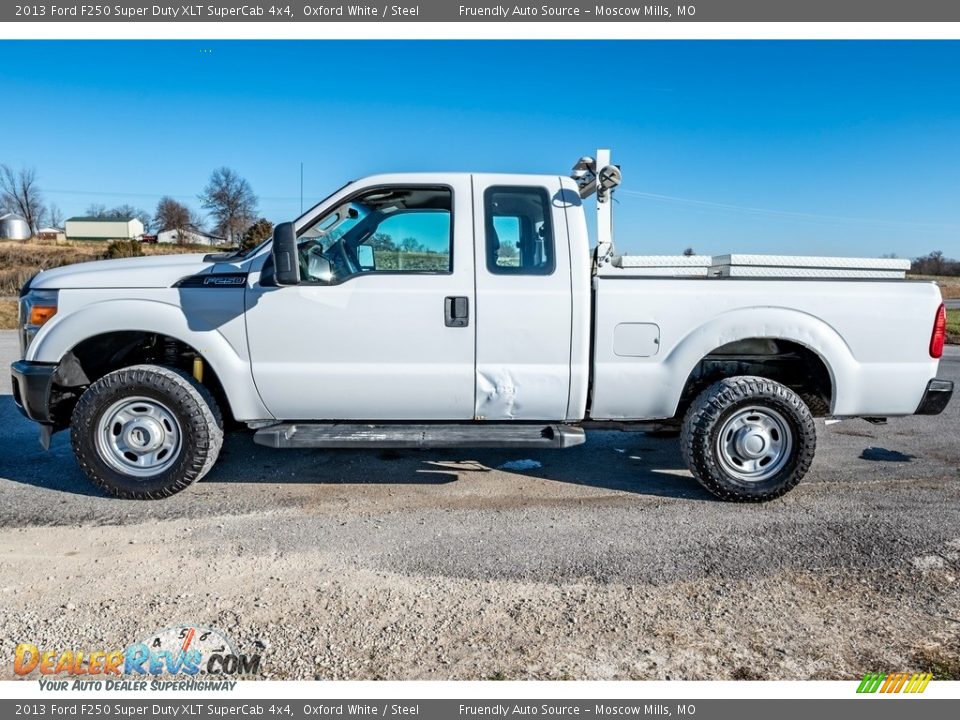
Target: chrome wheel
x=754, y=443
x=138, y=436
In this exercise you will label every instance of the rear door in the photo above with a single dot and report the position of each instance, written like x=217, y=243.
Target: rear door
x=523, y=298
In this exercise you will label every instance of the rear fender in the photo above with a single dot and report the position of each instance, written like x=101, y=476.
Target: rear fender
x=769, y=323
x=652, y=388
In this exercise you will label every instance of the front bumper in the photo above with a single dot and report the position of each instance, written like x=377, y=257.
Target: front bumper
x=936, y=397
x=32, y=385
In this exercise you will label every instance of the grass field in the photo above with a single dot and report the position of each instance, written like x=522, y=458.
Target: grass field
x=953, y=327
x=20, y=260
x=8, y=314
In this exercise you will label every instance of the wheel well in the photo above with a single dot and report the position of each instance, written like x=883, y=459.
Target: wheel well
x=98, y=355
x=789, y=363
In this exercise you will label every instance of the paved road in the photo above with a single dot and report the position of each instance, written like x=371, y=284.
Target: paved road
x=605, y=560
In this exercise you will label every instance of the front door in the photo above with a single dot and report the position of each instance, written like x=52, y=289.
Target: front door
x=382, y=325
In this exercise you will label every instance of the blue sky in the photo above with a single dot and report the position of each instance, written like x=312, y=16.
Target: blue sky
x=799, y=147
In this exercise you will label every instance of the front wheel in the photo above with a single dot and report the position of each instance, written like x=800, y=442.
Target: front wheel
x=146, y=432
x=748, y=439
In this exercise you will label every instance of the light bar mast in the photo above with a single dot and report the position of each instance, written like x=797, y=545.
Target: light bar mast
x=598, y=175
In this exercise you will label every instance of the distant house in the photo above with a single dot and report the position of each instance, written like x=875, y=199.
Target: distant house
x=51, y=233
x=190, y=236
x=103, y=228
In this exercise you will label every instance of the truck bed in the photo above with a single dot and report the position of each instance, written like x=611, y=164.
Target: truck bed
x=761, y=266
x=652, y=329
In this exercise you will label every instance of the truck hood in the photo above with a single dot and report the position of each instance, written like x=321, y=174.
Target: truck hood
x=140, y=272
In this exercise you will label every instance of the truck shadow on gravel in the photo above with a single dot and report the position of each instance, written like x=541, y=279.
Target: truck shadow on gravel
x=879, y=454
x=610, y=460
x=23, y=461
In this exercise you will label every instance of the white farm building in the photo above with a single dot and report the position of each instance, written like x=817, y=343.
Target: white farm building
x=103, y=228
x=189, y=236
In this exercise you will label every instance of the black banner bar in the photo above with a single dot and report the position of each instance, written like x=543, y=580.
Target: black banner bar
x=299, y=11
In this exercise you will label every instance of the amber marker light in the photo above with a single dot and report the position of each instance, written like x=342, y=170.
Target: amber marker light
x=39, y=314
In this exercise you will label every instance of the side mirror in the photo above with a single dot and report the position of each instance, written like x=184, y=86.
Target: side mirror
x=286, y=261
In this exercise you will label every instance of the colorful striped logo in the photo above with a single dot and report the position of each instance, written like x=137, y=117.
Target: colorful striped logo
x=894, y=683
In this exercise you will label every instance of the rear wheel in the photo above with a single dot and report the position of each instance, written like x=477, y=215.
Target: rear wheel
x=146, y=432
x=748, y=439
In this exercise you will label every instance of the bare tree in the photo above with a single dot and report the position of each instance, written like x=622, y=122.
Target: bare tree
x=173, y=215
x=20, y=194
x=231, y=201
x=688, y=252
x=935, y=263
x=197, y=221
x=129, y=211
x=54, y=218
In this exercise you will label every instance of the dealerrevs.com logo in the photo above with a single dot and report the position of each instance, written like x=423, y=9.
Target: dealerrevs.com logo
x=183, y=650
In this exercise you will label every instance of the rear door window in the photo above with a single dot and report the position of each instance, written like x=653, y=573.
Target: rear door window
x=519, y=234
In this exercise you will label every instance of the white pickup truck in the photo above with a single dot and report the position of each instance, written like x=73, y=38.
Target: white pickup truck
x=469, y=310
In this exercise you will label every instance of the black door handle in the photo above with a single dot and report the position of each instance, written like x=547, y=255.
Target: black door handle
x=456, y=311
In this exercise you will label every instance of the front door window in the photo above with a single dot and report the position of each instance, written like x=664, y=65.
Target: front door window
x=384, y=230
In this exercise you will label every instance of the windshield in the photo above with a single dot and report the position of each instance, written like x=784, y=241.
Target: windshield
x=248, y=252
x=337, y=226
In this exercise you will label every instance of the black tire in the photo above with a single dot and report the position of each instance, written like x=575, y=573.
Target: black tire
x=753, y=401
x=186, y=408
x=819, y=407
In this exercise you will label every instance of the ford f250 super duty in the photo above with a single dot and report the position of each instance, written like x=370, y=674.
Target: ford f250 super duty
x=469, y=310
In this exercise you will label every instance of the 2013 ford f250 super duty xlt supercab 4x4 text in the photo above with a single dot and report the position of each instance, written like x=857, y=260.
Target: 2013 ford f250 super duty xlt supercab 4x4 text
x=449, y=310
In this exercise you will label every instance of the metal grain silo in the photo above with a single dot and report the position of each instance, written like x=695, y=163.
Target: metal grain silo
x=14, y=227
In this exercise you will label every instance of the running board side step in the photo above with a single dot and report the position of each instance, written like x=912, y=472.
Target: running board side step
x=344, y=435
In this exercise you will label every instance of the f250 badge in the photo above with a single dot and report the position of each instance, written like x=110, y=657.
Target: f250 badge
x=229, y=280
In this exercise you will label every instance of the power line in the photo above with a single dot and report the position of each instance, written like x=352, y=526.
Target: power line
x=156, y=196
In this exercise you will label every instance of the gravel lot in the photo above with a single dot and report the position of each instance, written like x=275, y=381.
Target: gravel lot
x=605, y=561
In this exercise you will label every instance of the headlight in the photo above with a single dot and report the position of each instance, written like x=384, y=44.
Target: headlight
x=36, y=308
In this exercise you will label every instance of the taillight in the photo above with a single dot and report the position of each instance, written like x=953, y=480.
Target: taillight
x=939, y=336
